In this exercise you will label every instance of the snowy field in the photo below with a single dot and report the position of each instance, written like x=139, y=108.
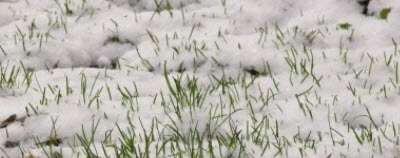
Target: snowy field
x=199, y=78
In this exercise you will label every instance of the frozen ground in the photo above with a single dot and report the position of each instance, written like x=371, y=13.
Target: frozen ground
x=199, y=78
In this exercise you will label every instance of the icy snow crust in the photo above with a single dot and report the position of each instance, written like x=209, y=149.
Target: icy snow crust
x=199, y=78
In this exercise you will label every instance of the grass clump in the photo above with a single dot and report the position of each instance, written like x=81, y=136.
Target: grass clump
x=345, y=26
x=383, y=14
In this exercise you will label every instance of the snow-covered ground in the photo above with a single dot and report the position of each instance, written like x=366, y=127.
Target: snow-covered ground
x=199, y=78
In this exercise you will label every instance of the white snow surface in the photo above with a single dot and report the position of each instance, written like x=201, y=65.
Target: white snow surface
x=292, y=78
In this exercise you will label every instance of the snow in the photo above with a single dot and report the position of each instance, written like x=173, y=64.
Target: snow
x=252, y=78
